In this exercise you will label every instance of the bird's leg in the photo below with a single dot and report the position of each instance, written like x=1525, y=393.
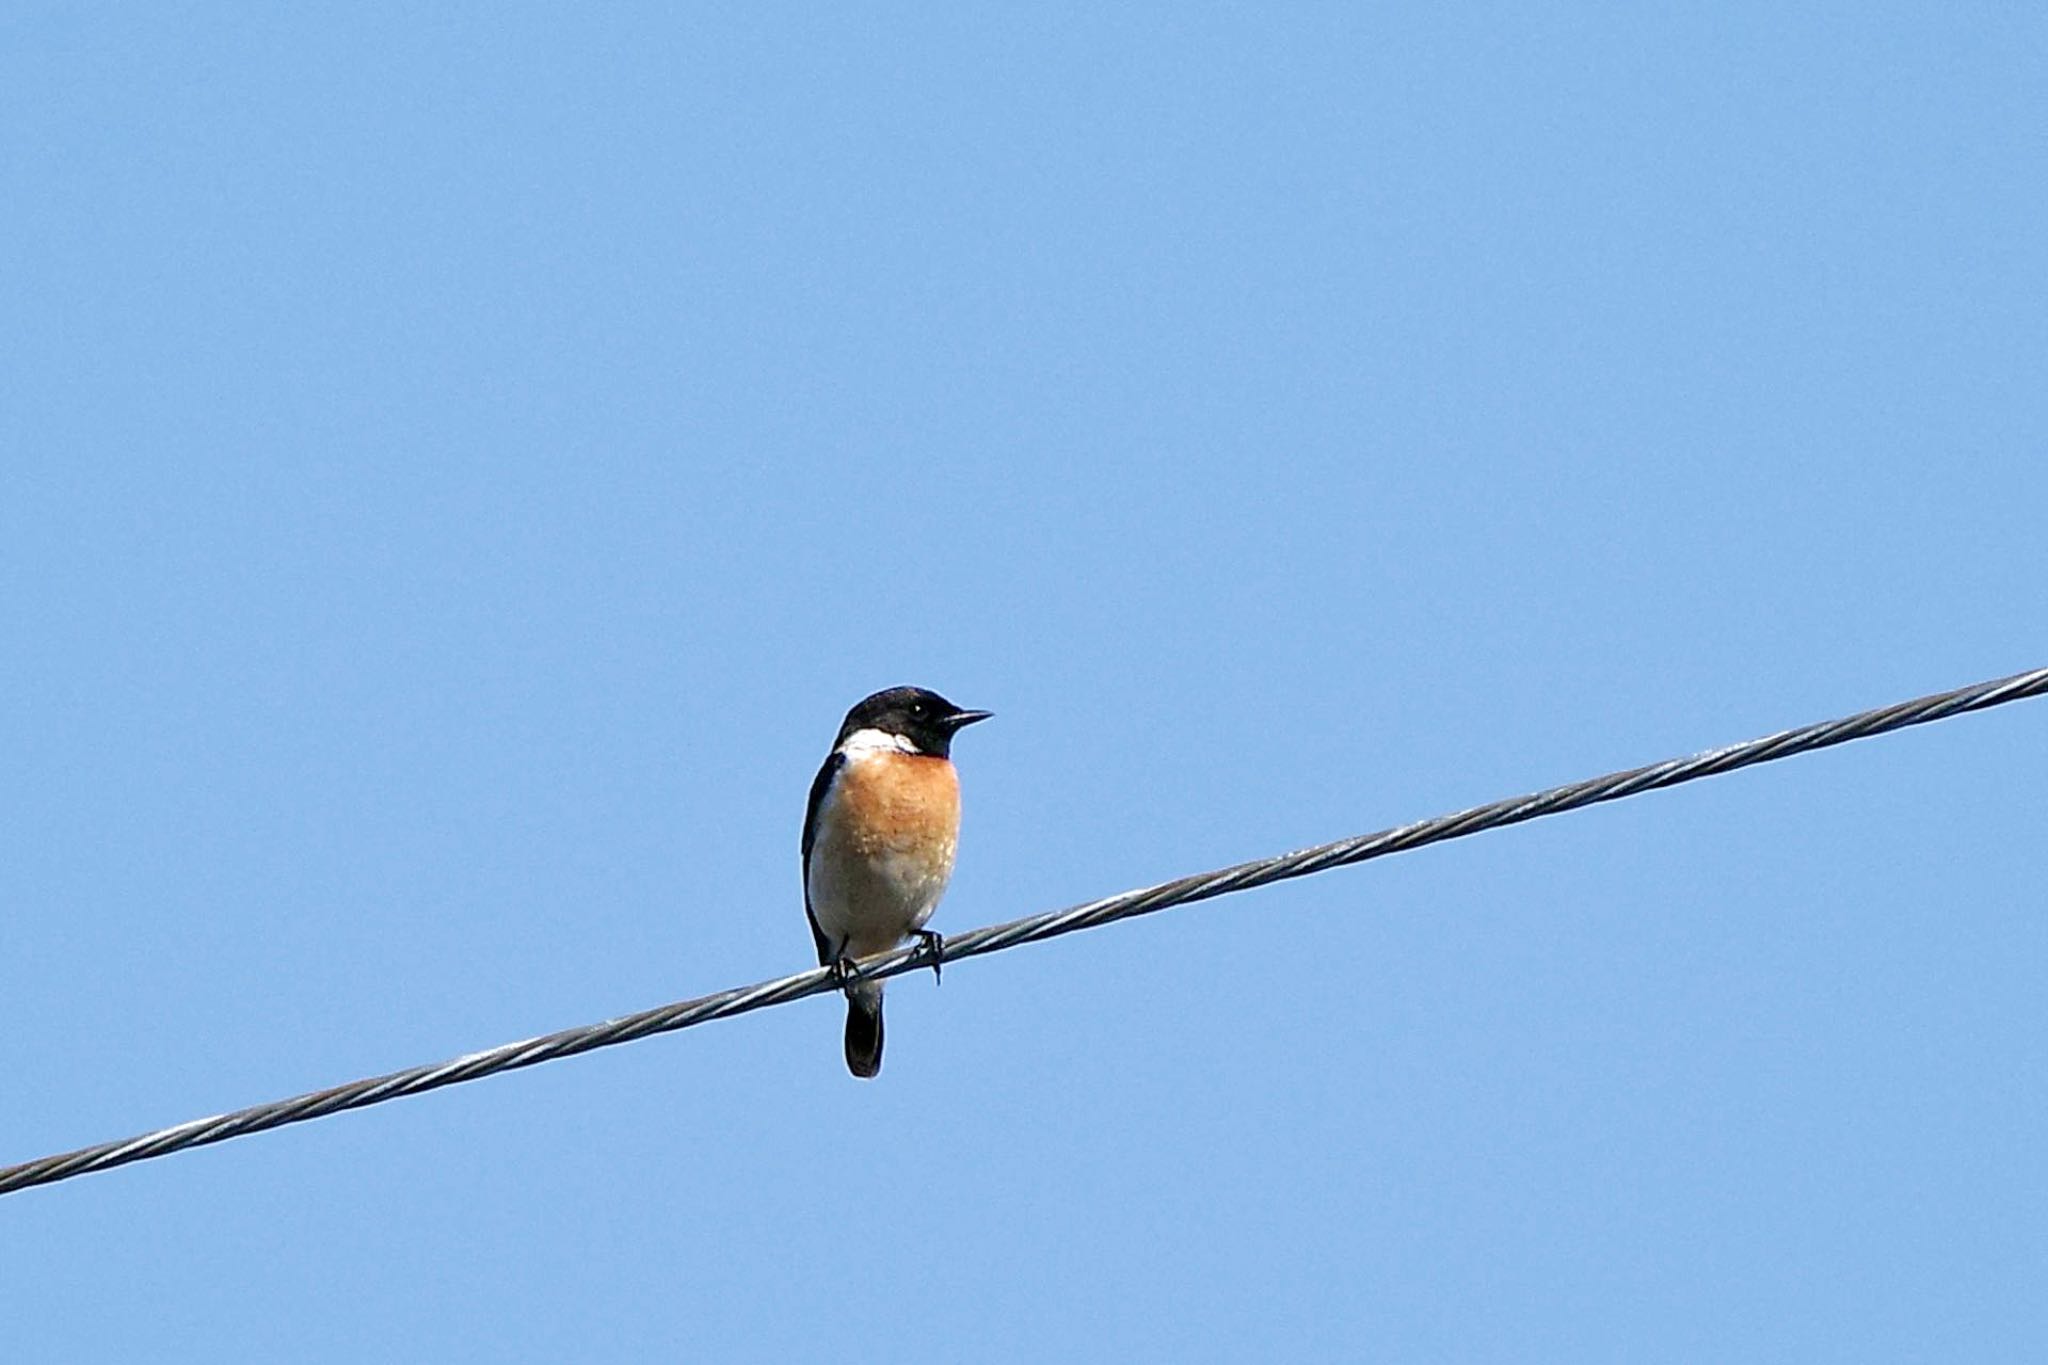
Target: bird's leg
x=842, y=971
x=934, y=947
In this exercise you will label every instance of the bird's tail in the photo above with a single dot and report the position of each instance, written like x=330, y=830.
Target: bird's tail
x=864, y=1029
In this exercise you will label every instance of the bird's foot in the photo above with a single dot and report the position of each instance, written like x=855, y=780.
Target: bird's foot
x=842, y=972
x=934, y=947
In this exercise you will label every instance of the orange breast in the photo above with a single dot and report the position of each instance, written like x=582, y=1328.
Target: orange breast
x=900, y=803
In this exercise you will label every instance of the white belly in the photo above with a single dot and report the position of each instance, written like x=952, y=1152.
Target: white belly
x=870, y=902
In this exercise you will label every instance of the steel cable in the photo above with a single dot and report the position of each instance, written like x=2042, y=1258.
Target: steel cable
x=994, y=938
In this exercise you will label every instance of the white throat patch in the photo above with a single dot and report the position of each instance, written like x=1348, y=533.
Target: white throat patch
x=876, y=742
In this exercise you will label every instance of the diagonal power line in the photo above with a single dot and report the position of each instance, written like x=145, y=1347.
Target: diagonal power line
x=996, y=937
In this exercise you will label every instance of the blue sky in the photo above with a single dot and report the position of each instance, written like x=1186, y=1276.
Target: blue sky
x=459, y=465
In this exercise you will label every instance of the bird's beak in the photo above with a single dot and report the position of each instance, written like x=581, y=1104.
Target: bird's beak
x=960, y=720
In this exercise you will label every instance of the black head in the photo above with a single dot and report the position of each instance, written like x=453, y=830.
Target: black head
x=924, y=718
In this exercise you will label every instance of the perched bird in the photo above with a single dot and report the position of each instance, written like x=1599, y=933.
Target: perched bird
x=879, y=838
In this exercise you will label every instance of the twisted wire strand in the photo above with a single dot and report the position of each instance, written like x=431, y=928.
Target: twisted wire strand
x=1031, y=929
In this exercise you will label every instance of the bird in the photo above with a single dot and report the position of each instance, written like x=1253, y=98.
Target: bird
x=880, y=833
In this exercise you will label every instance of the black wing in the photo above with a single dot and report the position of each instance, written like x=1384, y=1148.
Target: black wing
x=819, y=786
